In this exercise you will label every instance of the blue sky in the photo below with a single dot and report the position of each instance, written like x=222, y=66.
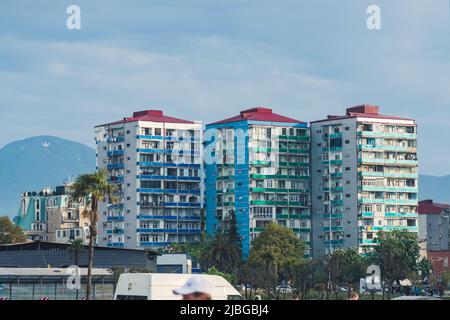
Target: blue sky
x=208, y=59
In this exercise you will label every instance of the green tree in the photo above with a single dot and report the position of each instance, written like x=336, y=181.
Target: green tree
x=354, y=268
x=274, y=252
x=93, y=189
x=425, y=268
x=221, y=253
x=10, y=233
x=227, y=276
x=203, y=225
x=302, y=276
x=76, y=249
x=396, y=255
x=233, y=232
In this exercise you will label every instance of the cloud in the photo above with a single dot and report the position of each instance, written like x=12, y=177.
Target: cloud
x=207, y=61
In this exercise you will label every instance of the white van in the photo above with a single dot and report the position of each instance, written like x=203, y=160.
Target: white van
x=160, y=286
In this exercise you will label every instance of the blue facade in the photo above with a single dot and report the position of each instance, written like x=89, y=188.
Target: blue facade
x=241, y=189
x=258, y=190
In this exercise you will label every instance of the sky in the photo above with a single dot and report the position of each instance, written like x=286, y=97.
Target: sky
x=208, y=59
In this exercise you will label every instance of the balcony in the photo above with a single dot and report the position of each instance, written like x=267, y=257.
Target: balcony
x=113, y=166
x=404, y=135
x=115, y=218
x=116, y=179
x=115, y=139
x=115, y=153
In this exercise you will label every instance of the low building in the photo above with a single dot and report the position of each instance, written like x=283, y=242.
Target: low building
x=434, y=225
x=51, y=215
x=43, y=254
x=439, y=259
x=174, y=263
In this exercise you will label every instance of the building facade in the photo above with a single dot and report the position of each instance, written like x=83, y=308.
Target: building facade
x=50, y=215
x=364, y=178
x=257, y=168
x=434, y=219
x=155, y=161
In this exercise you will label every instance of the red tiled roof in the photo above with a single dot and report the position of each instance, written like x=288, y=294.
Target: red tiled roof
x=363, y=111
x=149, y=115
x=430, y=207
x=259, y=114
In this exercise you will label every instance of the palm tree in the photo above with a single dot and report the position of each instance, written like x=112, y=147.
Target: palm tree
x=76, y=248
x=221, y=253
x=92, y=188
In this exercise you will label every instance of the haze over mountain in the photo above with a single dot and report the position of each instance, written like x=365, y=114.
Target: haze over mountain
x=38, y=162
x=436, y=188
x=46, y=161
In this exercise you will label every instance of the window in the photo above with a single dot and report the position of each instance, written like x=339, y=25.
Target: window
x=347, y=141
x=347, y=128
x=347, y=195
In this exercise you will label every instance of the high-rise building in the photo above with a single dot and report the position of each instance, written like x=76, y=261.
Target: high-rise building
x=257, y=168
x=364, y=178
x=155, y=162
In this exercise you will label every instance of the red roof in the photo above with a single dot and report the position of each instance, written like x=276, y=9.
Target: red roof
x=363, y=111
x=259, y=114
x=430, y=207
x=149, y=115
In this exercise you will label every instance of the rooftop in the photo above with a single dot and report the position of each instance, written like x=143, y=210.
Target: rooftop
x=363, y=111
x=150, y=116
x=430, y=207
x=258, y=114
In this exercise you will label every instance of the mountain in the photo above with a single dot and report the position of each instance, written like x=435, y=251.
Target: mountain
x=38, y=162
x=436, y=188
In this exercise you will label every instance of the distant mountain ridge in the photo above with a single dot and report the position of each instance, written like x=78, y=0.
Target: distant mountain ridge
x=38, y=162
x=47, y=161
x=436, y=188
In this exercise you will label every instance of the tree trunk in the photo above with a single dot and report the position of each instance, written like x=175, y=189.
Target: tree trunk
x=90, y=261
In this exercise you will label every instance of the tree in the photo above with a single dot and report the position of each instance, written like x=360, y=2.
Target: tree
x=221, y=253
x=233, y=232
x=274, y=252
x=396, y=255
x=203, y=225
x=425, y=268
x=227, y=276
x=75, y=249
x=93, y=189
x=10, y=233
x=354, y=268
x=302, y=277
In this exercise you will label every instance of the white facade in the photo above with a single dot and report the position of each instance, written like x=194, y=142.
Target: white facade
x=160, y=191
x=364, y=178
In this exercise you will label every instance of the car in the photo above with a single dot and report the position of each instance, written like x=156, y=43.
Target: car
x=284, y=289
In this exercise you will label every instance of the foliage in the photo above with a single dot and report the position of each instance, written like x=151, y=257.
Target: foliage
x=10, y=233
x=273, y=254
x=93, y=189
x=76, y=249
x=227, y=276
x=221, y=253
x=396, y=255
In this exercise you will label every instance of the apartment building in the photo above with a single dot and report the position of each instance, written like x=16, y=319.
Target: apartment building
x=257, y=168
x=50, y=215
x=434, y=225
x=364, y=178
x=155, y=161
